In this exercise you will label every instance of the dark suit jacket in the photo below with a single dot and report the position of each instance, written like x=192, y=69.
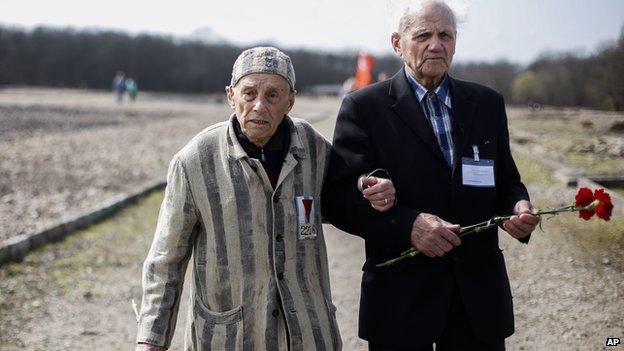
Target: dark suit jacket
x=383, y=126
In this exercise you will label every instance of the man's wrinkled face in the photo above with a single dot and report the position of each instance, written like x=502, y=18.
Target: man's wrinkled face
x=427, y=46
x=260, y=100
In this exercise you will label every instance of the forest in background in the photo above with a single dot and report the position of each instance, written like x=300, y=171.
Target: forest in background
x=89, y=59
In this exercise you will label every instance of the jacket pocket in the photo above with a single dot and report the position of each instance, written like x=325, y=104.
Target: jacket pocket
x=217, y=330
x=333, y=325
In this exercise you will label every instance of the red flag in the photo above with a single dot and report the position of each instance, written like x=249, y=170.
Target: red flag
x=364, y=70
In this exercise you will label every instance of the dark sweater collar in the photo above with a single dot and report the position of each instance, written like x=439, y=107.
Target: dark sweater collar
x=280, y=141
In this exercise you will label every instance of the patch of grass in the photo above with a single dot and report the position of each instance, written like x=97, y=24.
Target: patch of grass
x=596, y=164
x=618, y=189
x=594, y=239
x=557, y=133
x=533, y=172
x=80, y=260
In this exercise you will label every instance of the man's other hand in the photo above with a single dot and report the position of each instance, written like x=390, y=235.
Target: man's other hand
x=434, y=236
x=379, y=192
x=523, y=222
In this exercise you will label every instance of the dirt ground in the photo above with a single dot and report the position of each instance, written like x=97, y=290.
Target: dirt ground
x=64, y=151
x=76, y=294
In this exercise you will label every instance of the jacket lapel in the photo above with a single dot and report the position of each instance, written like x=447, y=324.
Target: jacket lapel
x=296, y=152
x=463, y=114
x=409, y=110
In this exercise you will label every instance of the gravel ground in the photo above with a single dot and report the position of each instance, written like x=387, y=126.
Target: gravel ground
x=60, y=160
x=76, y=294
x=66, y=151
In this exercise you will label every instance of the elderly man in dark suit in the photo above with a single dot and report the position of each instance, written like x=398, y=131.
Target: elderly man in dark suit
x=445, y=144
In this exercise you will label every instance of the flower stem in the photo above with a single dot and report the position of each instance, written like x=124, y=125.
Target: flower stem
x=409, y=253
x=482, y=226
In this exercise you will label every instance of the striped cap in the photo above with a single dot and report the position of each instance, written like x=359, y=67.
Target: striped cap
x=263, y=59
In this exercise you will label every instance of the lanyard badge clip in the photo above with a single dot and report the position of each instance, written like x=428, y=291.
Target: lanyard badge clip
x=475, y=153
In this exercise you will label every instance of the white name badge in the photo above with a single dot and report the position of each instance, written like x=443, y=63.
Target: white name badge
x=477, y=173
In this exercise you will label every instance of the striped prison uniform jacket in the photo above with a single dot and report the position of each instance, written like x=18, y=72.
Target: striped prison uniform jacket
x=258, y=282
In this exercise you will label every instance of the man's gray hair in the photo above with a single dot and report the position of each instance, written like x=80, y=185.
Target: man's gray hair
x=411, y=15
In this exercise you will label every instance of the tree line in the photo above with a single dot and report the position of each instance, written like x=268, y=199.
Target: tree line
x=89, y=59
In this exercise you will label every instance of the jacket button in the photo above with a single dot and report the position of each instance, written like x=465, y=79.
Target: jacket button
x=275, y=313
x=276, y=198
x=279, y=238
x=280, y=275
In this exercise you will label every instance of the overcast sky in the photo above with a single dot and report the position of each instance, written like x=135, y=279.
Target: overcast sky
x=516, y=30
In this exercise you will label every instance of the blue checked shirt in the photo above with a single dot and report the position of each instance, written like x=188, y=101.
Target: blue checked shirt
x=437, y=105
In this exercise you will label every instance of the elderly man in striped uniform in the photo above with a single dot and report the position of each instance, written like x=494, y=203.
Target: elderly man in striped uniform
x=243, y=200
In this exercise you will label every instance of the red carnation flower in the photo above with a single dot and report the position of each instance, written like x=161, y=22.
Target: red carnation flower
x=605, y=207
x=583, y=198
x=587, y=204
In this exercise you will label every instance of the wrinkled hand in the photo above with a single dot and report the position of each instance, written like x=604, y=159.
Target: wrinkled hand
x=149, y=347
x=523, y=222
x=434, y=236
x=380, y=192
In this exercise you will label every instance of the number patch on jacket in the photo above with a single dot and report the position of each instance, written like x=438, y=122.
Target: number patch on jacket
x=306, y=214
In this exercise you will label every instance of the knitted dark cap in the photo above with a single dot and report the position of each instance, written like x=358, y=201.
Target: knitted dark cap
x=263, y=59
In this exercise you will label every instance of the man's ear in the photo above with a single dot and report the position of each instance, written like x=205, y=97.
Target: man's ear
x=229, y=93
x=291, y=100
x=395, y=40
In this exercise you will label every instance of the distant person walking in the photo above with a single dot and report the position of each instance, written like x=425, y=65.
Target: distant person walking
x=131, y=88
x=119, y=85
